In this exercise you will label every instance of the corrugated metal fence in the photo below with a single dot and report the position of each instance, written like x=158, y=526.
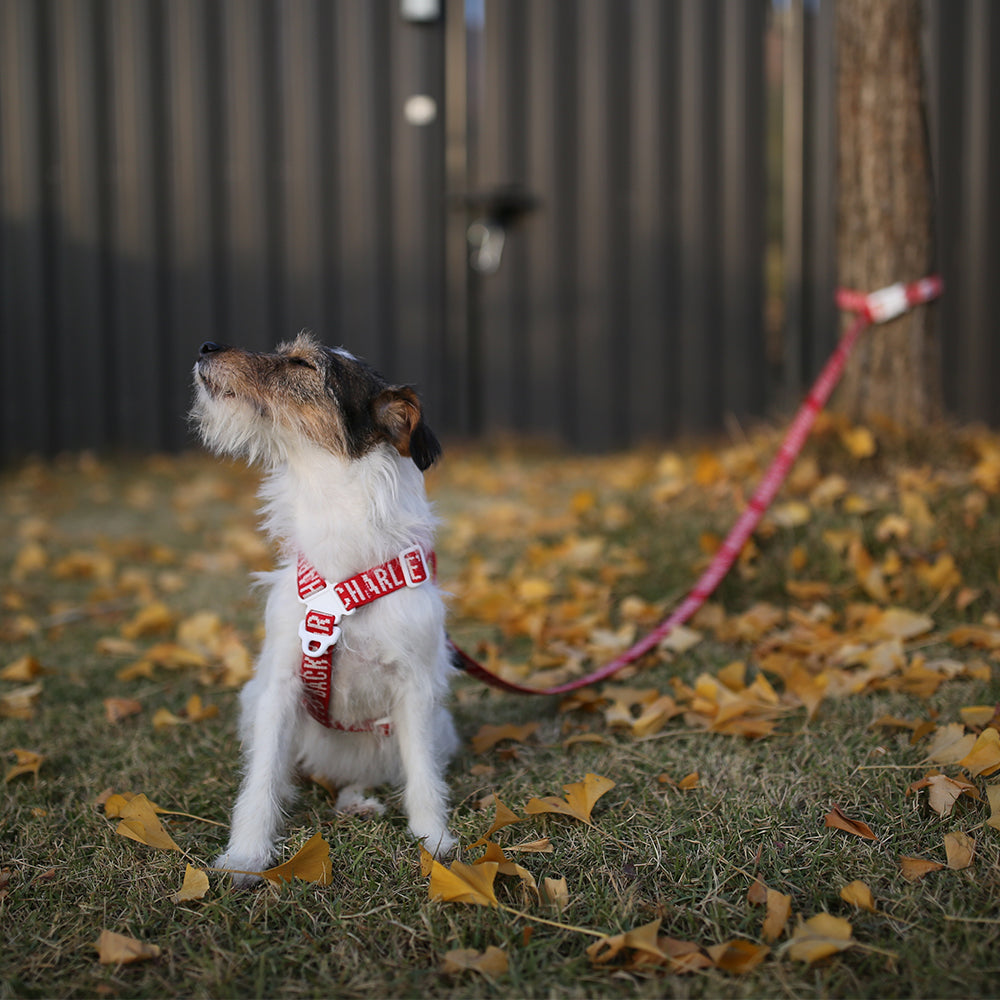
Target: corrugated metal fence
x=177, y=170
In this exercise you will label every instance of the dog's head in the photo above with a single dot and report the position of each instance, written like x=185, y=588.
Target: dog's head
x=264, y=406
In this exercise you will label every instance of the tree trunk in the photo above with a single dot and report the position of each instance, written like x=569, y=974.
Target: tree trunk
x=884, y=212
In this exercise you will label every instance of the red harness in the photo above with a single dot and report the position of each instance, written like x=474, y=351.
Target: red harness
x=326, y=607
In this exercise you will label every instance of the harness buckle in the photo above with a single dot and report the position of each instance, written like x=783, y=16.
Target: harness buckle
x=320, y=628
x=414, y=564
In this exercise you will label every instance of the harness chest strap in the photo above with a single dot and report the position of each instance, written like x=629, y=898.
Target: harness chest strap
x=328, y=604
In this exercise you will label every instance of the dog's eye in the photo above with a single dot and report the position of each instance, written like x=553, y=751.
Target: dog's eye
x=301, y=362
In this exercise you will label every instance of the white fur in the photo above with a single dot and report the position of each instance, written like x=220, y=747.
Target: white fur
x=392, y=660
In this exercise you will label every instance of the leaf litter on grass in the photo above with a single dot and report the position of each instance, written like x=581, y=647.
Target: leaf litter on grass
x=870, y=596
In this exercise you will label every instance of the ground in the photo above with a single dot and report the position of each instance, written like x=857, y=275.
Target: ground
x=855, y=636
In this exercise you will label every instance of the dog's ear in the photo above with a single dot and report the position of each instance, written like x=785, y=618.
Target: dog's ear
x=397, y=413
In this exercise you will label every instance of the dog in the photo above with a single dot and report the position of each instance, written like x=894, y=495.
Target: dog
x=352, y=677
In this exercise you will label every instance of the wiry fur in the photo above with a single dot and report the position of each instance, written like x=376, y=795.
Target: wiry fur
x=344, y=487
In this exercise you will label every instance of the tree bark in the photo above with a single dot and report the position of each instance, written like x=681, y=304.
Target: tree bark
x=884, y=211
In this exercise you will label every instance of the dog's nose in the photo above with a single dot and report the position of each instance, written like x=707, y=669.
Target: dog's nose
x=211, y=347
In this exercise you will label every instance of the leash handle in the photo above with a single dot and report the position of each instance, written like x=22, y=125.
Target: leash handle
x=875, y=307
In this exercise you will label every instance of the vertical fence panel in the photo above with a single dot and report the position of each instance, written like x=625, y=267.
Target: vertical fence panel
x=25, y=294
x=628, y=305
x=192, y=312
x=178, y=170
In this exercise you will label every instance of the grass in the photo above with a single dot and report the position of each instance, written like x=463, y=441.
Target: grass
x=180, y=530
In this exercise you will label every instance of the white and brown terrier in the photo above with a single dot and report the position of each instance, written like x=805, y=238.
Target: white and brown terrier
x=353, y=674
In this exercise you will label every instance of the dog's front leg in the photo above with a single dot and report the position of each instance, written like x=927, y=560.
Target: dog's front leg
x=271, y=705
x=425, y=796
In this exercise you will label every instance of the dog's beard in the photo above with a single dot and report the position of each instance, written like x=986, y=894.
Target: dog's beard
x=229, y=425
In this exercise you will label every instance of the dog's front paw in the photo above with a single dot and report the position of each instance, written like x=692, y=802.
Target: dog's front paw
x=440, y=842
x=241, y=868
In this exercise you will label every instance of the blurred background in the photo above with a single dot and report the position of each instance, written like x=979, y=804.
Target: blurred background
x=597, y=222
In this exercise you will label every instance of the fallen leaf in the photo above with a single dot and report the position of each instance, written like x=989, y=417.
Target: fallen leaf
x=541, y=846
x=916, y=868
x=20, y=703
x=859, y=441
x=461, y=883
x=977, y=715
x=503, y=817
x=820, y=937
x=993, y=797
x=28, y=762
x=116, y=709
x=644, y=940
x=25, y=669
x=836, y=819
x=779, y=909
x=960, y=849
x=115, y=802
x=495, y=854
x=311, y=863
x=858, y=894
x=163, y=718
x=579, y=801
x=492, y=962
x=489, y=736
x=943, y=792
x=139, y=822
x=194, y=887
x=196, y=711
x=738, y=956
x=117, y=949
x=153, y=618
x=555, y=893
x=950, y=744
x=757, y=893
x=984, y=757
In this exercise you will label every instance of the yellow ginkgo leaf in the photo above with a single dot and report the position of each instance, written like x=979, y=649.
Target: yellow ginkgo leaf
x=26, y=669
x=913, y=869
x=489, y=736
x=859, y=441
x=819, y=937
x=311, y=863
x=163, y=718
x=960, y=849
x=993, y=797
x=858, y=894
x=494, y=853
x=28, y=762
x=116, y=709
x=579, y=801
x=196, y=711
x=492, y=962
x=139, y=822
x=779, y=908
x=20, y=703
x=984, y=757
x=118, y=949
x=644, y=939
x=194, y=887
x=555, y=892
x=114, y=804
x=460, y=883
x=738, y=956
x=504, y=817
x=154, y=617
x=950, y=744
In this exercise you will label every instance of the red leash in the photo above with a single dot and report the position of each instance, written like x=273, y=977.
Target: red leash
x=877, y=307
